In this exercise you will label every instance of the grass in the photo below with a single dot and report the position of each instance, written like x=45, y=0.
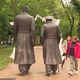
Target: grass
x=4, y=56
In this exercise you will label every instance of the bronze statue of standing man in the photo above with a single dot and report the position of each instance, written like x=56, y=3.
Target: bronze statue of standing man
x=50, y=35
x=24, y=27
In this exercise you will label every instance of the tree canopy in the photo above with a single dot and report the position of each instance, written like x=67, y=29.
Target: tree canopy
x=69, y=15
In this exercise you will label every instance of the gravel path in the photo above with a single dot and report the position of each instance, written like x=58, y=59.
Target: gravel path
x=37, y=71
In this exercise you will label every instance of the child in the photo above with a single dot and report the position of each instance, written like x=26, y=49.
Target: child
x=73, y=51
x=64, y=47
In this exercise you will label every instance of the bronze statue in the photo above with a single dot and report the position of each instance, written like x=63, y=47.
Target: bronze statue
x=50, y=35
x=24, y=27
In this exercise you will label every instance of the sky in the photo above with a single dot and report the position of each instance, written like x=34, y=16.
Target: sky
x=66, y=1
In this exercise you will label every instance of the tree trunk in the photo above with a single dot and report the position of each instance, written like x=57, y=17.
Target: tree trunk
x=71, y=25
x=70, y=17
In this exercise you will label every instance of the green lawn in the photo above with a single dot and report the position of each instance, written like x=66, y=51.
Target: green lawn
x=4, y=56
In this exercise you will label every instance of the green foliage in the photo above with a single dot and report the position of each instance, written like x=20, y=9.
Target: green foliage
x=78, y=30
x=10, y=8
x=76, y=4
x=5, y=27
x=64, y=27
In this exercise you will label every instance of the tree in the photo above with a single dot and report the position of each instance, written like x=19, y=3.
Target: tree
x=65, y=12
x=69, y=9
x=76, y=4
x=5, y=28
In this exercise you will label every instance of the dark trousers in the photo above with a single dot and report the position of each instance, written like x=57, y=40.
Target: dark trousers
x=51, y=68
x=63, y=62
x=24, y=68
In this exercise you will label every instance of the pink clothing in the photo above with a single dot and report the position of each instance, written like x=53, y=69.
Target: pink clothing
x=76, y=49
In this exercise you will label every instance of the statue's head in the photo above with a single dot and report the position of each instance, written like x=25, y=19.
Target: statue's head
x=25, y=9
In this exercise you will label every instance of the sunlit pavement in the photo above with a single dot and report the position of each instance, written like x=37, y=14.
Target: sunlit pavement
x=37, y=71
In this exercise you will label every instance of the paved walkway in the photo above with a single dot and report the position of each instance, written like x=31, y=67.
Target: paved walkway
x=37, y=71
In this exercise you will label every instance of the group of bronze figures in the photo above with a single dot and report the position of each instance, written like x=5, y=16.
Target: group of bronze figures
x=24, y=27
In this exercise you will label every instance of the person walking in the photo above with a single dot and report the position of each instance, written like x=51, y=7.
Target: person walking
x=50, y=37
x=64, y=48
x=24, y=27
x=73, y=52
